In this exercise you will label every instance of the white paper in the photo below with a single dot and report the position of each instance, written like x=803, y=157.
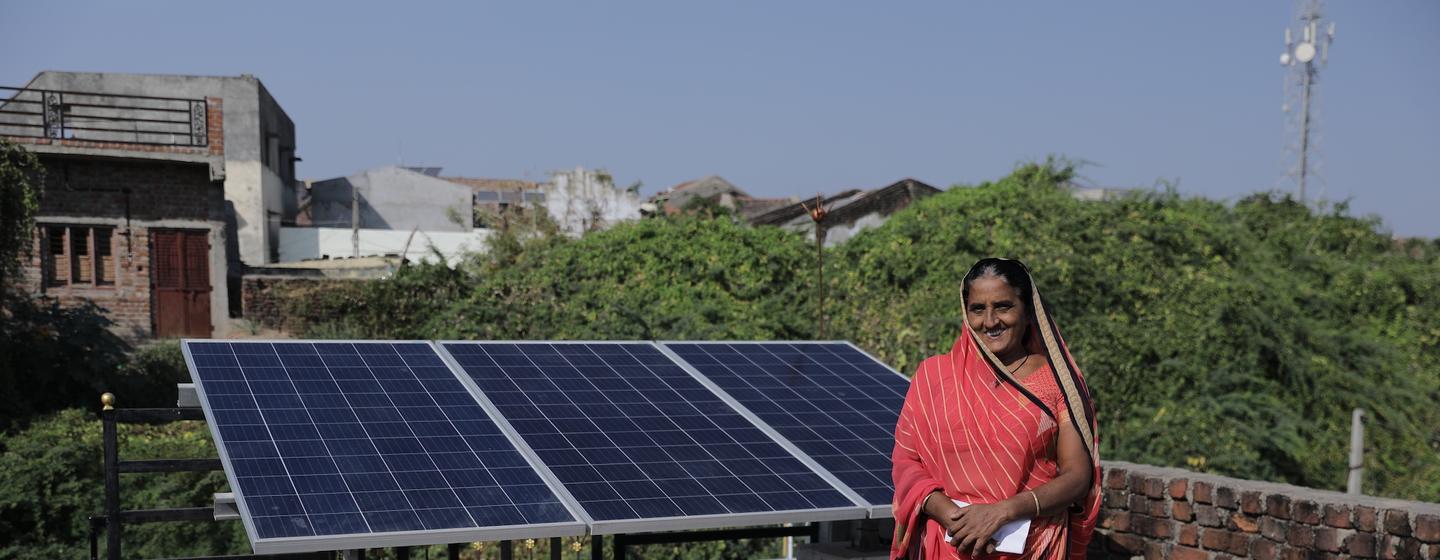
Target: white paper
x=1010, y=537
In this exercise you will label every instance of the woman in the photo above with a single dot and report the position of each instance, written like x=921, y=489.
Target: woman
x=1002, y=422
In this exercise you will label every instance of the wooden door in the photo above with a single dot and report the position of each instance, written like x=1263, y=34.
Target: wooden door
x=180, y=286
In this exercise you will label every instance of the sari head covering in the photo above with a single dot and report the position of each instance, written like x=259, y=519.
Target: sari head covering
x=972, y=430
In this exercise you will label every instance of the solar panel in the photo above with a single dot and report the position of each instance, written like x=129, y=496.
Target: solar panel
x=640, y=443
x=345, y=445
x=832, y=401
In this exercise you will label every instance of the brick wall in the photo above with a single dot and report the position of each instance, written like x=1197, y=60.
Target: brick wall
x=271, y=301
x=1156, y=512
x=83, y=192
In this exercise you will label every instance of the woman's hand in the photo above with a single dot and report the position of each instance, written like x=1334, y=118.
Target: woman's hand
x=975, y=524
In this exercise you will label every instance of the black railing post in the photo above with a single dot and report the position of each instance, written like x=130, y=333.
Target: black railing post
x=112, y=476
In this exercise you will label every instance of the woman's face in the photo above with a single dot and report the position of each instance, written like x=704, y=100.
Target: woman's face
x=998, y=316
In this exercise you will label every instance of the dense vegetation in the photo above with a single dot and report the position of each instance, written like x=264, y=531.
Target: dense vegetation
x=1227, y=338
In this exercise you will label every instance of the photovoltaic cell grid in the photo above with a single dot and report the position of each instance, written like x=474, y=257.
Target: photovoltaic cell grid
x=632, y=435
x=361, y=438
x=834, y=402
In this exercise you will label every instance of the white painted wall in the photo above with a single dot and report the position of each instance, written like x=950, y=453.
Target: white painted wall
x=303, y=243
x=580, y=201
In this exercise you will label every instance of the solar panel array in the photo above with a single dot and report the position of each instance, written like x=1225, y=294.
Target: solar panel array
x=334, y=445
x=835, y=403
x=324, y=440
x=633, y=436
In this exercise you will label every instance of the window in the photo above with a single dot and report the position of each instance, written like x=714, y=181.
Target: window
x=78, y=256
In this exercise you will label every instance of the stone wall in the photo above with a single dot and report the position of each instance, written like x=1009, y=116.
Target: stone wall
x=1156, y=512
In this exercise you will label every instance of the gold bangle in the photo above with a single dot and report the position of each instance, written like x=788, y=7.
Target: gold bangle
x=1037, y=503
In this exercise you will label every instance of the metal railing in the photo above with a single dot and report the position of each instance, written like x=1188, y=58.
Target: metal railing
x=103, y=117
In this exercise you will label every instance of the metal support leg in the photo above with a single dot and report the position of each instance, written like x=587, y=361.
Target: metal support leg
x=402, y=553
x=452, y=551
x=507, y=550
x=112, y=483
x=555, y=548
x=597, y=547
x=619, y=546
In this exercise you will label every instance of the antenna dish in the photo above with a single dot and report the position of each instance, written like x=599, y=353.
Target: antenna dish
x=1305, y=52
x=1285, y=59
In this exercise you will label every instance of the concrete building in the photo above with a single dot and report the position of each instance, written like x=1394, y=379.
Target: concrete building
x=404, y=212
x=581, y=201
x=257, y=159
x=391, y=198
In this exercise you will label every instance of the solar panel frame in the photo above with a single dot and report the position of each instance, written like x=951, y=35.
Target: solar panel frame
x=351, y=541
x=875, y=510
x=647, y=525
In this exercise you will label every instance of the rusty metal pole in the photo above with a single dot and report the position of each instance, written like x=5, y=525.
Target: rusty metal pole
x=817, y=214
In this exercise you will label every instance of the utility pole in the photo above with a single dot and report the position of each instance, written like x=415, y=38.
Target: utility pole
x=1357, y=452
x=355, y=219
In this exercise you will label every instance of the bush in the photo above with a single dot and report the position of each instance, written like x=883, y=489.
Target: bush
x=51, y=480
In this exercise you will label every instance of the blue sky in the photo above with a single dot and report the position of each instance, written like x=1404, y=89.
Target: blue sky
x=791, y=98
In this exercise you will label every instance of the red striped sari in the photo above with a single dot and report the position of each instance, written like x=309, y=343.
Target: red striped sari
x=974, y=432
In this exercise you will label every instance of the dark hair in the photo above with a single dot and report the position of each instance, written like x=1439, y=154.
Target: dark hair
x=1012, y=272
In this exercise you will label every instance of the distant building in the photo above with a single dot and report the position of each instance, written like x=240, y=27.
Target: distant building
x=406, y=212
x=716, y=190
x=158, y=189
x=581, y=201
x=848, y=212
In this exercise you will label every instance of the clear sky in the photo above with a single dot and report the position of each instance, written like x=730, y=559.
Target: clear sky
x=791, y=98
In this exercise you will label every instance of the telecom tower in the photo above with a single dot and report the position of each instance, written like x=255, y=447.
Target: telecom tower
x=1306, y=51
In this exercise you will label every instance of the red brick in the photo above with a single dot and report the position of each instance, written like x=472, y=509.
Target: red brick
x=1201, y=493
x=1154, y=487
x=1274, y=529
x=1337, y=515
x=1187, y=553
x=1239, y=544
x=1225, y=497
x=1115, y=479
x=1300, y=535
x=1115, y=521
x=1189, y=535
x=1208, y=516
x=1427, y=528
x=1397, y=522
x=1178, y=488
x=1251, y=502
x=1156, y=551
x=1330, y=539
x=1261, y=548
x=1365, y=518
x=1115, y=499
x=1215, y=539
x=1135, y=482
x=1241, y=522
x=1139, y=504
x=1306, y=511
x=1278, y=505
x=1361, y=545
x=1182, y=511
x=1152, y=527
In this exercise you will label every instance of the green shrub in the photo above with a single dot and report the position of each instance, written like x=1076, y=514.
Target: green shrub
x=51, y=481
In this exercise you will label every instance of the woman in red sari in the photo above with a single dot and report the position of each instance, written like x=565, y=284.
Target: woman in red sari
x=1003, y=422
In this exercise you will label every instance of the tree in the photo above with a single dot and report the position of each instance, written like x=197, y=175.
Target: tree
x=22, y=181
